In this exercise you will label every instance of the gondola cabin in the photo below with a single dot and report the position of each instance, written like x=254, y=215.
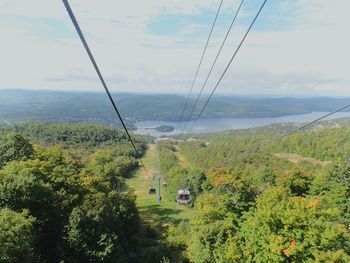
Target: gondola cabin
x=152, y=190
x=165, y=184
x=183, y=197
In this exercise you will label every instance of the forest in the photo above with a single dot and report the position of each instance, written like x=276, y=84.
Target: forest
x=21, y=106
x=63, y=196
x=288, y=202
x=66, y=196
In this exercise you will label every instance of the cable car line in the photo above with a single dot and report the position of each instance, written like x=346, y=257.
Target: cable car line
x=245, y=152
x=228, y=65
x=279, y=137
x=199, y=65
x=86, y=46
x=213, y=65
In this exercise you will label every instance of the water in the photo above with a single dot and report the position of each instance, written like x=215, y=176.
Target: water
x=216, y=125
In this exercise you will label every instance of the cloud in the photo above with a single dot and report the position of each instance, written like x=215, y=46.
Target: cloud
x=77, y=78
x=297, y=47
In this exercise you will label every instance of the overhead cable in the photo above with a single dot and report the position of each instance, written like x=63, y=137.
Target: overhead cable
x=212, y=66
x=198, y=67
x=85, y=44
x=279, y=137
x=228, y=65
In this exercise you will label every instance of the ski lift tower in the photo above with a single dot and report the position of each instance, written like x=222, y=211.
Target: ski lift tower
x=159, y=177
x=159, y=198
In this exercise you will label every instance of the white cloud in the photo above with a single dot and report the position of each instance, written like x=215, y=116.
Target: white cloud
x=309, y=57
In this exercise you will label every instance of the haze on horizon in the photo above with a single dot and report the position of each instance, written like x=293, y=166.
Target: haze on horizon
x=297, y=47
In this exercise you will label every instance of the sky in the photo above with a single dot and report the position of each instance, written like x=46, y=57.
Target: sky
x=296, y=47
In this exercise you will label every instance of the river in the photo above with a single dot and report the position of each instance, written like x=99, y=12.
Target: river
x=222, y=124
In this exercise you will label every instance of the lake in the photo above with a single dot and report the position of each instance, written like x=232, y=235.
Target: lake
x=222, y=124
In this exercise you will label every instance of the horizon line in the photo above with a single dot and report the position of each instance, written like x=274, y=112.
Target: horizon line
x=264, y=95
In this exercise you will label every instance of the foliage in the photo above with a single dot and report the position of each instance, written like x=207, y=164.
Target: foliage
x=13, y=147
x=77, y=135
x=68, y=203
x=266, y=208
x=167, y=157
x=292, y=228
x=296, y=181
x=106, y=168
x=334, y=189
x=16, y=236
x=103, y=234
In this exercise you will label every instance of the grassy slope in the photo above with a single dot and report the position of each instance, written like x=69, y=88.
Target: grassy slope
x=163, y=214
x=181, y=159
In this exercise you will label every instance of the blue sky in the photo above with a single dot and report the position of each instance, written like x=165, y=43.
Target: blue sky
x=297, y=47
x=42, y=27
x=277, y=16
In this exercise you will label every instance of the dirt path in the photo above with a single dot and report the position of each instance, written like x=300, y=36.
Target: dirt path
x=297, y=158
x=182, y=160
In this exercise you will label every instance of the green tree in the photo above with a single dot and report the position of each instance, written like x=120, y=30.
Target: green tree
x=213, y=225
x=22, y=188
x=77, y=196
x=14, y=147
x=62, y=171
x=333, y=186
x=106, y=170
x=286, y=228
x=49, y=187
x=16, y=236
x=296, y=181
x=101, y=229
x=208, y=242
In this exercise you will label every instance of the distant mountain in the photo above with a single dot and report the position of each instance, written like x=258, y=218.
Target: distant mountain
x=54, y=106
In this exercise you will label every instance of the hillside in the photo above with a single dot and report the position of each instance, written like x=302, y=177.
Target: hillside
x=82, y=107
x=76, y=191
x=287, y=202
x=63, y=198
